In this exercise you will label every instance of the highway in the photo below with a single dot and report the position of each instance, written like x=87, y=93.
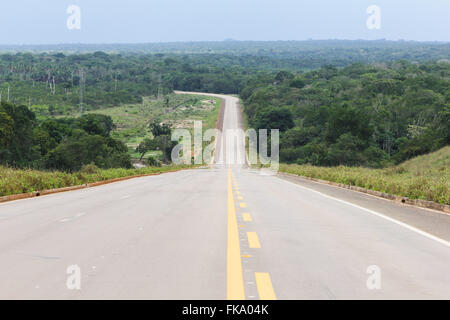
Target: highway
x=225, y=231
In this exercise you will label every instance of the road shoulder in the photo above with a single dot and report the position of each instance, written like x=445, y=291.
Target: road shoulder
x=430, y=221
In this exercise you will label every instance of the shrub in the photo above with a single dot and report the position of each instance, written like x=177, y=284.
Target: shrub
x=152, y=162
x=90, y=169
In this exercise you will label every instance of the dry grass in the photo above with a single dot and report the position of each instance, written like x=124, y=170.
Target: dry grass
x=426, y=177
x=13, y=181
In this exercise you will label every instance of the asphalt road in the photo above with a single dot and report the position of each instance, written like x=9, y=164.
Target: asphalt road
x=222, y=232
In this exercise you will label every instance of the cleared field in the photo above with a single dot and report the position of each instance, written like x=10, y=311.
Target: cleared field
x=132, y=127
x=178, y=110
x=132, y=120
x=426, y=177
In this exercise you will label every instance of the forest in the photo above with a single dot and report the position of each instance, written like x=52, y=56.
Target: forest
x=360, y=115
x=309, y=54
x=99, y=80
x=336, y=102
x=63, y=144
x=98, y=76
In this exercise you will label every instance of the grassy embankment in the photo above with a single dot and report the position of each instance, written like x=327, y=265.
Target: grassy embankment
x=13, y=181
x=426, y=177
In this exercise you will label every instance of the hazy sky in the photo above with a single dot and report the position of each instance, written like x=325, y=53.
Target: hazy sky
x=131, y=21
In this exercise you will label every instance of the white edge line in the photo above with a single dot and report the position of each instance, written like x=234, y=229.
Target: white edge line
x=407, y=226
x=363, y=193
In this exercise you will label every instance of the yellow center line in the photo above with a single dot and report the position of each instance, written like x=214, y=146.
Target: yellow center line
x=253, y=240
x=235, y=279
x=264, y=286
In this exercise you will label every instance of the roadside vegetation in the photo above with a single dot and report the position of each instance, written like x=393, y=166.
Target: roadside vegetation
x=16, y=181
x=426, y=177
x=133, y=122
x=361, y=115
x=348, y=111
x=108, y=137
x=58, y=144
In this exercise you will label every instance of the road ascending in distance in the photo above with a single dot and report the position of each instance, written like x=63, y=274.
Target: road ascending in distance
x=222, y=232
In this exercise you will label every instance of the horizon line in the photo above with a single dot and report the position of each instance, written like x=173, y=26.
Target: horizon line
x=215, y=41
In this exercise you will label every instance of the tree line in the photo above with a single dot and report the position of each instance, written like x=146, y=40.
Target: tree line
x=361, y=115
x=58, y=144
x=370, y=114
x=59, y=84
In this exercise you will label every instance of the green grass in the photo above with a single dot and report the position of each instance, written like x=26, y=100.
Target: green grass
x=13, y=181
x=132, y=127
x=132, y=120
x=433, y=163
x=426, y=177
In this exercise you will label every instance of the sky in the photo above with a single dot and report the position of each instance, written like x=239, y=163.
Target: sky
x=143, y=21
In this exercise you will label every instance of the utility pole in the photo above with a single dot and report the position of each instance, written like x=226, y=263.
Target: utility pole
x=47, y=84
x=8, y=93
x=81, y=90
x=159, y=87
x=54, y=86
